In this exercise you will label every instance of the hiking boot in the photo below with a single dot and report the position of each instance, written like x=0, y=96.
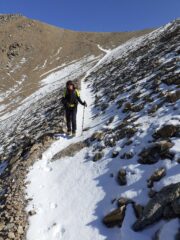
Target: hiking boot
x=73, y=133
x=68, y=132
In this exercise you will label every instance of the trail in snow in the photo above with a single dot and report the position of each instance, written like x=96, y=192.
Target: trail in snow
x=72, y=195
x=65, y=192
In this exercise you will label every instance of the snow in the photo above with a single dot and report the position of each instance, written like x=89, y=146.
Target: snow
x=131, y=45
x=3, y=166
x=18, y=66
x=14, y=89
x=44, y=64
x=53, y=70
x=169, y=230
x=57, y=53
x=55, y=57
x=52, y=82
x=103, y=49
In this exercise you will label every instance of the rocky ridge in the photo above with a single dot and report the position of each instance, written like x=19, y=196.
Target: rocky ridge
x=139, y=85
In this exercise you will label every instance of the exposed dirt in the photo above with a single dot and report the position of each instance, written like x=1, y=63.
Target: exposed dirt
x=30, y=48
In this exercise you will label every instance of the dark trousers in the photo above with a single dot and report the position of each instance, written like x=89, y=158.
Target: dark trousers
x=71, y=118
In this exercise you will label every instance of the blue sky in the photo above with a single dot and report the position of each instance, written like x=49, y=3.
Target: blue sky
x=97, y=15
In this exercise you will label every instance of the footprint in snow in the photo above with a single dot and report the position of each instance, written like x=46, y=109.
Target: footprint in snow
x=47, y=169
x=57, y=230
x=53, y=205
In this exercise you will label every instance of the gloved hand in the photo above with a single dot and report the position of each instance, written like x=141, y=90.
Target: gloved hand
x=85, y=104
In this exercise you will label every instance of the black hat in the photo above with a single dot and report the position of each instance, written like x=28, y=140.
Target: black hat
x=69, y=83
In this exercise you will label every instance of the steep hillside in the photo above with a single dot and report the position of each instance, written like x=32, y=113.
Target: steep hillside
x=123, y=172
x=30, y=49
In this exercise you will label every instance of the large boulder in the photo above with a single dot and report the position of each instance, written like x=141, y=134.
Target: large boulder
x=154, y=210
x=167, y=131
x=156, y=151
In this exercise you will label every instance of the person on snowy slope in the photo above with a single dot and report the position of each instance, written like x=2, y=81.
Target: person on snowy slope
x=70, y=102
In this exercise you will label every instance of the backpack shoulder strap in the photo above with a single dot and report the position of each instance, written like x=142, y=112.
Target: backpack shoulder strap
x=65, y=92
x=77, y=93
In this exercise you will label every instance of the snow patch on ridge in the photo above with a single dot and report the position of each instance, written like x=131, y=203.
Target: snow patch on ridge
x=103, y=49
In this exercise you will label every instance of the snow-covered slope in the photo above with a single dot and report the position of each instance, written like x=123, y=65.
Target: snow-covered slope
x=126, y=163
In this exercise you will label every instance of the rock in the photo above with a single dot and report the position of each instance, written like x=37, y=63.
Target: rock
x=151, y=193
x=70, y=150
x=104, y=106
x=124, y=201
x=97, y=136
x=167, y=131
x=173, y=80
x=168, y=212
x=110, y=141
x=11, y=235
x=115, y=154
x=138, y=210
x=177, y=236
x=154, y=209
x=127, y=131
x=127, y=155
x=173, y=97
x=115, y=218
x=176, y=206
x=137, y=108
x=98, y=156
x=110, y=120
x=9, y=226
x=122, y=177
x=147, y=98
x=120, y=103
x=2, y=225
x=20, y=230
x=129, y=142
x=32, y=212
x=153, y=109
x=156, y=176
x=156, y=151
x=135, y=97
x=113, y=200
x=13, y=50
x=127, y=107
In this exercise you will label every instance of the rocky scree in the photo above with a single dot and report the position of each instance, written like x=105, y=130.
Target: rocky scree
x=142, y=82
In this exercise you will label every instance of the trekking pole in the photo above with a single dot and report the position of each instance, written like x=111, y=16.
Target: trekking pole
x=65, y=123
x=83, y=121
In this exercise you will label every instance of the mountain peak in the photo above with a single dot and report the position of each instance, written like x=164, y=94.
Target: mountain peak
x=4, y=18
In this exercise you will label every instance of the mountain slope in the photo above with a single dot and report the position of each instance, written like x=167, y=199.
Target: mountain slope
x=132, y=123
x=30, y=48
x=127, y=161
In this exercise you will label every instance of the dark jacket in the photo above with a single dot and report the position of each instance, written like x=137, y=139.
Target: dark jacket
x=71, y=98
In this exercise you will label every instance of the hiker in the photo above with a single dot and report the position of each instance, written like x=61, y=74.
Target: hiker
x=70, y=102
